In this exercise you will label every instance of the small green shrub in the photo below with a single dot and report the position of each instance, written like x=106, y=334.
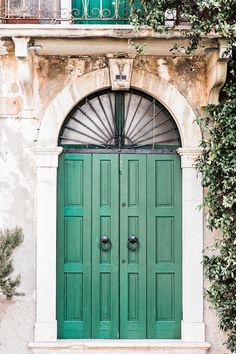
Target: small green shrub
x=9, y=240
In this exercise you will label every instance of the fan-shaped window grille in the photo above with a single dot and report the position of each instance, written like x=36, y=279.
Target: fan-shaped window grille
x=119, y=120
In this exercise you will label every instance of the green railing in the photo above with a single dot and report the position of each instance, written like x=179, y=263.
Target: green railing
x=101, y=12
x=71, y=11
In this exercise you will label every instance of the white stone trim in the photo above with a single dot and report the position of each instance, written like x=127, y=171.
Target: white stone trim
x=46, y=164
x=66, y=9
x=193, y=328
x=122, y=345
x=47, y=157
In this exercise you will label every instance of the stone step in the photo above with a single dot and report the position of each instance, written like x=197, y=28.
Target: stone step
x=122, y=346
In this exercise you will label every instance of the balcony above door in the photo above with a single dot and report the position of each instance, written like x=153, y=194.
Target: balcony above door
x=72, y=12
x=102, y=27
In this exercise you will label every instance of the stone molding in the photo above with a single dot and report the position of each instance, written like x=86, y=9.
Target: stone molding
x=25, y=74
x=120, y=73
x=47, y=157
x=188, y=156
x=217, y=71
x=21, y=46
x=193, y=328
x=88, y=346
x=46, y=198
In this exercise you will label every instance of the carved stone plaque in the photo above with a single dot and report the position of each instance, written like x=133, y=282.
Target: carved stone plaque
x=120, y=73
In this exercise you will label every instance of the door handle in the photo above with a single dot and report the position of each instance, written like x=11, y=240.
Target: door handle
x=133, y=243
x=105, y=243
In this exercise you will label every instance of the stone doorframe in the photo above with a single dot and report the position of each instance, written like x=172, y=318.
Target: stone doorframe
x=47, y=152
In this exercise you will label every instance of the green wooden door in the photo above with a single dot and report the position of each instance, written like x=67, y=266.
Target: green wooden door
x=126, y=291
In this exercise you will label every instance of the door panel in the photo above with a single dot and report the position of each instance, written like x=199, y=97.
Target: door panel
x=164, y=246
x=132, y=222
x=105, y=276
x=73, y=253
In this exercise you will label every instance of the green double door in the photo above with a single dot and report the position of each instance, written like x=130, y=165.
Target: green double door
x=119, y=246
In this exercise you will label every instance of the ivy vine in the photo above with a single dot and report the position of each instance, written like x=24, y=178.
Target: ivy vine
x=217, y=164
x=204, y=16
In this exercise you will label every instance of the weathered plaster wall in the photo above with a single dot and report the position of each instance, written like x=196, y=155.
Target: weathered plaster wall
x=187, y=75
x=17, y=171
x=10, y=92
x=52, y=74
x=214, y=335
x=17, y=208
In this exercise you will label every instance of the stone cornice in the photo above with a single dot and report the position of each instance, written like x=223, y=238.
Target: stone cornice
x=75, y=31
x=217, y=65
x=192, y=151
x=189, y=156
x=100, y=37
x=47, y=156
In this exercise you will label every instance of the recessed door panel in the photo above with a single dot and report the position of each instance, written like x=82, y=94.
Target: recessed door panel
x=133, y=224
x=105, y=260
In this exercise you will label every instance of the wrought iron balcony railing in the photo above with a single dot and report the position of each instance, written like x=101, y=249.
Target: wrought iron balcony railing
x=69, y=11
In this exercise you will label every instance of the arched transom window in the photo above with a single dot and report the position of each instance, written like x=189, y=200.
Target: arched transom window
x=119, y=120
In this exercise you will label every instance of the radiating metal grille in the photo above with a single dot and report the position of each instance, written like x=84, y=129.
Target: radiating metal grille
x=119, y=120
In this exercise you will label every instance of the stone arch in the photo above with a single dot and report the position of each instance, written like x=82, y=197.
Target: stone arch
x=157, y=87
x=47, y=152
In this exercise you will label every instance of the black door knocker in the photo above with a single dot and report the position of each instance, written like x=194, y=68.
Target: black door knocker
x=133, y=243
x=105, y=243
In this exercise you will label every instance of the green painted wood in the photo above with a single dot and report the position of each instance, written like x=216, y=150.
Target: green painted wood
x=108, y=11
x=105, y=271
x=164, y=246
x=94, y=9
x=73, y=253
x=60, y=249
x=132, y=264
x=119, y=294
x=119, y=112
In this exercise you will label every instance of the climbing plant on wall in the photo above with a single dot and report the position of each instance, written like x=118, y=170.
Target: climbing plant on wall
x=203, y=16
x=9, y=240
x=217, y=164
